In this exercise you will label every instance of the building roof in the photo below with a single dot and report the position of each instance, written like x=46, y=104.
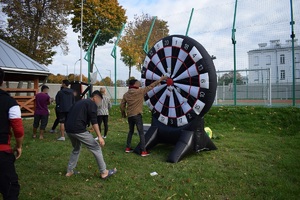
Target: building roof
x=14, y=61
x=275, y=45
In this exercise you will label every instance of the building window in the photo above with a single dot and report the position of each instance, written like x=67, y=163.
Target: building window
x=256, y=63
x=268, y=60
x=297, y=74
x=282, y=74
x=282, y=59
x=256, y=76
x=297, y=57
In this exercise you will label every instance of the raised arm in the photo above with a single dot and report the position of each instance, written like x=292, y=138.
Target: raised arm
x=154, y=84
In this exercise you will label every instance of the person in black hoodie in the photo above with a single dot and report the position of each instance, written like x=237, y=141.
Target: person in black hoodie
x=10, y=115
x=64, y=101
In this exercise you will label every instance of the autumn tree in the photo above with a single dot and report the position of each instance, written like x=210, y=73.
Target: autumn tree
x=121, y=83
x=136, y=32
x=130, y=78
x=35, y=27
x=106, y=82
x=59, y=78
x=106, y=15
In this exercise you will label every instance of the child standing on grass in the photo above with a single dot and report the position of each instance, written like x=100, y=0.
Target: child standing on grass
x=103, y=112
x=41, y=113
x=133, y=102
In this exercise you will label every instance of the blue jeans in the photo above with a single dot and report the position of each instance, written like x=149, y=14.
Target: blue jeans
x=138, y=121
x=87, y=139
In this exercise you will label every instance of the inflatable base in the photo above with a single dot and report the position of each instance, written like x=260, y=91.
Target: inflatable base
x=192, y=138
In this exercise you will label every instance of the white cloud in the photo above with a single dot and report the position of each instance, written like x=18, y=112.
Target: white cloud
x=257, y=21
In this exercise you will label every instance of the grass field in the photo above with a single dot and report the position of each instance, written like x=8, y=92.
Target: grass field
x=258, y=157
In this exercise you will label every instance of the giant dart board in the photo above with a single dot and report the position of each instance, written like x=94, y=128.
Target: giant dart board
x=191, y=86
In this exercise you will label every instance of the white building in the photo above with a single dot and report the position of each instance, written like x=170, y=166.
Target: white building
x=277, y=57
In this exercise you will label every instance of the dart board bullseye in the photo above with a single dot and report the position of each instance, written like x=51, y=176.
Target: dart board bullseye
x=190, y=89
x=169, y=82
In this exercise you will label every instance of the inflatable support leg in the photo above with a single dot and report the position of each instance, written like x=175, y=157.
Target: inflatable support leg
x=151, y=139
x=183, y=146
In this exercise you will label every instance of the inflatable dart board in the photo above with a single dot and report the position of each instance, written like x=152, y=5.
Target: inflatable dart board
x=179, y=104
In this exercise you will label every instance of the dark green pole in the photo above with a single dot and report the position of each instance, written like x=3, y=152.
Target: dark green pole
x=293, y=50
x=114, y=55
x=188, y=27
x=234, y=53
x=87, y=57
x=149, y=34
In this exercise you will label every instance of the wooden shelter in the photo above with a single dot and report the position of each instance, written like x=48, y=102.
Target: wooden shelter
x=19, y=67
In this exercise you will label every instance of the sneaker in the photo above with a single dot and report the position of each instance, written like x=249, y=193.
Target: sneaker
x=96, y=138
x=52, y=131
x=145, y=153
x=128, y=150
x=104, y=137
x=61, y=139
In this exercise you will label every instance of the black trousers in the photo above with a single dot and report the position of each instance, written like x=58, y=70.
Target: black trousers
x=104, y=119
x=138, y=121
x=9, y=185
x=56, y=122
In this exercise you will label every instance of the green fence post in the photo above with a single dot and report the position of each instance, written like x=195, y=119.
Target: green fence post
x=234, y=53
x=149, y=34
x=188, y=27
x=87, y=57
x=293, y=51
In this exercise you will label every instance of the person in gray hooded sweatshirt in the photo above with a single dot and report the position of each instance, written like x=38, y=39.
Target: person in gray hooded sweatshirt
x=64, y=101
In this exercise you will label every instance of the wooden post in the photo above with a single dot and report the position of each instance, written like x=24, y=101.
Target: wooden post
x=36, y=84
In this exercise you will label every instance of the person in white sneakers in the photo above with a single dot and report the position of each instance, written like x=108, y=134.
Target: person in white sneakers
x=64, y=100
x=103, y=111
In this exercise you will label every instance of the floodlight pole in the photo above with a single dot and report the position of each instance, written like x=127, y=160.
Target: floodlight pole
x=188, y=27
x=234, y=52
x=149, y=34
x=293, y=50
x=75, y=66
x=114, y=55
x=81, y=27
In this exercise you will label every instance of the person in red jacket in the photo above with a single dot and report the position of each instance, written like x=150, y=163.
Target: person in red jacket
x=10, y=115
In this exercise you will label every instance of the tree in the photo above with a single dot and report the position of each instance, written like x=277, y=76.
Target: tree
x=106, y=82
x=59, y=78
x=228, y=78
x=35, y=27
x=130, y=78
x=121, y=83
x=106, y=15
x=136, y=32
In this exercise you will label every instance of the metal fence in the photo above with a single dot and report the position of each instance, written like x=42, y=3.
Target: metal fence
x=254, y=87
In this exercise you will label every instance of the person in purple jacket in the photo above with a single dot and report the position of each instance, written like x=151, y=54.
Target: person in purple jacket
x=41, y=113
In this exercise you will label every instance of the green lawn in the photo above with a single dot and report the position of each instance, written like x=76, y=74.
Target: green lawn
x=258, y=157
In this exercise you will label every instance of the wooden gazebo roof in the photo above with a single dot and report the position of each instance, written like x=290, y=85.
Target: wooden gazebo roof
x=19, y=67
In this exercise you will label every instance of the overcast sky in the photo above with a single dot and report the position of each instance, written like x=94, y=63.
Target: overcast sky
x=257, y=22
